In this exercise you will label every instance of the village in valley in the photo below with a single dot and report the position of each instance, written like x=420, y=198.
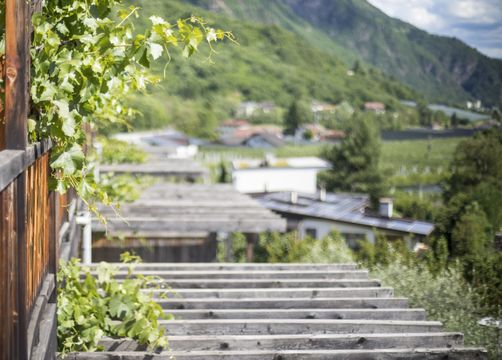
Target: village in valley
x=266, y=171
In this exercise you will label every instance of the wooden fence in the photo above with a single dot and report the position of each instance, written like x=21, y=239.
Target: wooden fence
x=33, y=220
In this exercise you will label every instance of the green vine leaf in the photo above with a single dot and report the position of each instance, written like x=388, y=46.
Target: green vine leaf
x=87, y=57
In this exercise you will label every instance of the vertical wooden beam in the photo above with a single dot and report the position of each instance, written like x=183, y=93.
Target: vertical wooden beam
x=251, y=240
x=8, y=275
x=2, y=102
x=54, y=226
x=17, y=70
x=23, y=270
x=229, y=251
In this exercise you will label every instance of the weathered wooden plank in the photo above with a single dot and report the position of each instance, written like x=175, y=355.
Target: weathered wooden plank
x=9, y=321
x=266, y=274
x=294, y=326
x=379, y=292
x=235, y=267
x=379, y=354
x=267, y=283
x=17, y=61
x=11, y=165
x=169, y=167
x=285, y=303
x=149, y=221
x=145, y=225
x=46, y=348
x=14, y=162
x=297, y=342
x=40, y=311
x=2, y=103
x=170, y=211
x=305, y=313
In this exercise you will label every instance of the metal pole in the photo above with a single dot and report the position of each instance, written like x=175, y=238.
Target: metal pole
x=85, y=219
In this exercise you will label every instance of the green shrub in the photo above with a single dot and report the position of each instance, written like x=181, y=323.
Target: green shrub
x=92, y=307
x=289, y=248
x=239, y=249
x=446, y=297
x=120, y=152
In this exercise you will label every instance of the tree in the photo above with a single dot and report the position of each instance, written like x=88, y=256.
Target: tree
x=477, y=174
x=471, y=235
x=294, y=118
x=473, y=210
x=223, y=173
x=425, y=115
x=308, y=135
x=497, y=115
x=358, y=68
x=355, y=162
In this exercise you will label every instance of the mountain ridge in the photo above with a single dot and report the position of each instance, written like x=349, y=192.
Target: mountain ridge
x=442, y=68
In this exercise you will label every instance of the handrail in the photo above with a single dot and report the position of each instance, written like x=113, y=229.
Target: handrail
x=14, y=162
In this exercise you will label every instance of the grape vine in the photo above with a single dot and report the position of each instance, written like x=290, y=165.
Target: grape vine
x=87, y=57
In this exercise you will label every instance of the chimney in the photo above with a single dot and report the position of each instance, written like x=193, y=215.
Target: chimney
x=269, y=160
x=322, y=194
x=293, y=197
x=385, y=207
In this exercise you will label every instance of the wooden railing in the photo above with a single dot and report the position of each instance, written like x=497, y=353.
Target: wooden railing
x=33, y=220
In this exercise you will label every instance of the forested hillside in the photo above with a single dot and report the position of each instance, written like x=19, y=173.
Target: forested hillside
x=269, y=64
x=443, y=69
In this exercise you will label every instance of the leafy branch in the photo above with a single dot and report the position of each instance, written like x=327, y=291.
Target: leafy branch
x=87, y=57
x=91, y=307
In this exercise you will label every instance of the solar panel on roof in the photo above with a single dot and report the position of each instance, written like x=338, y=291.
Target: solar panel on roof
x=341, y=207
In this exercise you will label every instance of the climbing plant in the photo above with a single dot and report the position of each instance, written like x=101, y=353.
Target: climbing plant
x=91, y=306
x=87, y=57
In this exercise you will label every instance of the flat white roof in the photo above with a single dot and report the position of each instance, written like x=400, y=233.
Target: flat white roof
x=294, y=162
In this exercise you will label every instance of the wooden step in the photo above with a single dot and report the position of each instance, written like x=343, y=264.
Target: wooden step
x=294, y=326
x=378, y=292
x=370, y=314
x=265, y=274
x=378, y=354
x=232, y=266
x=284, y=312
x=296, y=342
x=252, y=283
x=285, y=303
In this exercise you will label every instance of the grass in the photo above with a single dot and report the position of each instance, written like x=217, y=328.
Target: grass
x=395, y=154
x=416, y=153
x=408, y=162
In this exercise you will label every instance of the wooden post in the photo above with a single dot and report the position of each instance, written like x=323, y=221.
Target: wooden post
x=2, y=103
x=251, y=239
x=229, y=248
x=15, y=132
x=17, y=72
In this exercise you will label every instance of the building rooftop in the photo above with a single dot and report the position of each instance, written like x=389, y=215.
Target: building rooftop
x=164, y=167
x=348, y=208
x=166, y=208
x=235, y=123
x=375, y=106
x=298, y=162
x=163, y=137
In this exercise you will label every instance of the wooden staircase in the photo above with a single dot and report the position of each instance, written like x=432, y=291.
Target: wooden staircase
x=286, y=312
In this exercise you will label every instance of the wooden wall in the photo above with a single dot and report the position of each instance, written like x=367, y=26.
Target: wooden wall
x=174, y=249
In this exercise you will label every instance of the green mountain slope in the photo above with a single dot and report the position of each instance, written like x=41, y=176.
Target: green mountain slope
x=270, y=64
x=443, y=69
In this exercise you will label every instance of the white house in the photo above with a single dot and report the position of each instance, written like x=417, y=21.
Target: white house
x=271, y=174
x=316, y=215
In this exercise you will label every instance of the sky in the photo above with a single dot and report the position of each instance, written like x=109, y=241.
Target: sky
x=476, y=22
